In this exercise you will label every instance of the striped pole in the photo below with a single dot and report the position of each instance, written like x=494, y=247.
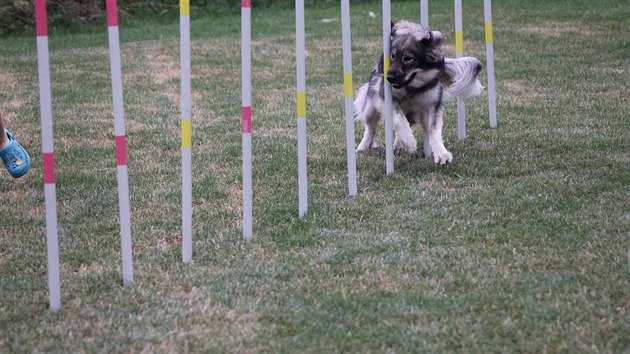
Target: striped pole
x=48, y=155
x=348, y=96
x=186, y=128
x=459, y=52
x=246, y=115
x=492, y=94
x=389, y=132
x=300, y=57
x=424, y=12
x=121, y=144
x=424, y=20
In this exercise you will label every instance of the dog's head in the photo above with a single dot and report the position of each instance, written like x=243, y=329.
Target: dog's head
x=416, y=54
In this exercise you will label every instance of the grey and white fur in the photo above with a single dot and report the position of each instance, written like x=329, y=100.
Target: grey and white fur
x=421, y=80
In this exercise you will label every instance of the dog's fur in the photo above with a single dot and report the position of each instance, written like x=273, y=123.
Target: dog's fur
x=421, y=79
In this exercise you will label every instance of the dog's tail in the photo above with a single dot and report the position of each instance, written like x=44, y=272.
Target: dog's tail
x=359, y=102
x=460, y=78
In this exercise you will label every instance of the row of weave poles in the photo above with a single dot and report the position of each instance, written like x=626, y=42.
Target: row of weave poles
x=48, y=155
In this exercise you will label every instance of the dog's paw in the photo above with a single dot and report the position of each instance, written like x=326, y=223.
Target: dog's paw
x=364, y=147
x=443, y=157
x=409, y=145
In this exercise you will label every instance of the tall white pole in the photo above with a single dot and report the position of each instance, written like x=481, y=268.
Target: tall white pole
x=389, y=132
x=348, y=96
x=459, y=52
x=48, y=155
x=424, y=20
x=186, y=129
x=246, y=116
x=424, y=12
x=121, y=144
x=300, y=51
x=492, y=94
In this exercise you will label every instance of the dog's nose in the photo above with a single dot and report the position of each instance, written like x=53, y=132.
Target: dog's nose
x=392, y=77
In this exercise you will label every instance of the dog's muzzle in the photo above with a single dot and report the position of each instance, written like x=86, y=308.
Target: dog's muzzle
x=398, y=81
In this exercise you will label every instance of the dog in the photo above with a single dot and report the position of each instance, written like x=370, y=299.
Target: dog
x=421, y=79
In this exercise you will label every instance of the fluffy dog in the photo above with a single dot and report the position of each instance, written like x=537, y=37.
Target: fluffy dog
x=421, y=80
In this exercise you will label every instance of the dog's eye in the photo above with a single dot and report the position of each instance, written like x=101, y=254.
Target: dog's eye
x=393, y=55
x=407, y=58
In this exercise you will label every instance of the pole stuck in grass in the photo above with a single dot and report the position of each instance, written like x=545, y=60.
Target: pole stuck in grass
x=48, y=155
x=121, y=144
x=246, y=115
x=389, y=132
x=186, y=129
x=300, y=57
x=492, y=94
x=459, y=52
x=424, y=20
x=346, y=40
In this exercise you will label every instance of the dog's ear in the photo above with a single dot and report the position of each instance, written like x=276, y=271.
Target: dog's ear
x=393, y=30
x=434, y=39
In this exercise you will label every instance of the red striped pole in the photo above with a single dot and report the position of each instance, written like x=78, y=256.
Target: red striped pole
x=121, y=144
x=48, y=154
x=246, y=115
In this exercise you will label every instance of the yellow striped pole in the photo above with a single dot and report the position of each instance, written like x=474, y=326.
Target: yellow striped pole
x=300, y=57
x=459, y=52
x=389, y=130
x=348, y=96
x=492, y=95
x=186, y=130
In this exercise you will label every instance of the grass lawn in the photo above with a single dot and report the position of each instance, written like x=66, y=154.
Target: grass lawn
x=521, y=245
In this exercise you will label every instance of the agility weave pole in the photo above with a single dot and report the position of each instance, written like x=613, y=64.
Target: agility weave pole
x=186, y=129
x=246, y=115
x=121, y=144
x=424, y=12
x=300, y=58
x=389, y=131
x=459, y=48
x=424, y=20
x=459, y=52
x=492, y=93
x=348, y=96
x=48, y=154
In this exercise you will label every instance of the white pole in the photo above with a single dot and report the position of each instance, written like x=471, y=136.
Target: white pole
x=492, y=94
x=348, y=96
x=48, y=155
x=389, y=132
x=246, y=116
x=424, y=20
x=300, y=39
x=186, y=130
x=121, y=145
x=424, y=12
x=459, y=52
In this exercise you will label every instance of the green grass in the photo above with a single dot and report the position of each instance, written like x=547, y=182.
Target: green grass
x=521, y=245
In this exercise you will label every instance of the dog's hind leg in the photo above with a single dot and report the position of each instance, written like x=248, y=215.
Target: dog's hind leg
x=432, y=124
x=404, y=135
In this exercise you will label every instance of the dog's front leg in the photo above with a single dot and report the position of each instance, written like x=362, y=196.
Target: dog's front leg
x=370, y=122
x=404, y=135
x=432, y=123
